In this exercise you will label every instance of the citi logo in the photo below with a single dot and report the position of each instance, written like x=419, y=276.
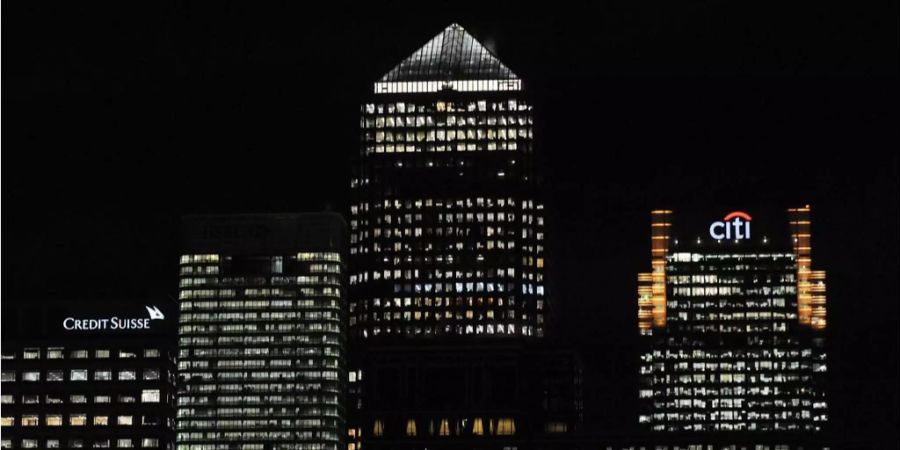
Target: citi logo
x=155, y=313
x=736, y=225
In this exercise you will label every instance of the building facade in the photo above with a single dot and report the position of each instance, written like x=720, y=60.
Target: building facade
x=262, y=333
x=88, y=375
x=732, y=316
x=447, y=230
x=448, y=307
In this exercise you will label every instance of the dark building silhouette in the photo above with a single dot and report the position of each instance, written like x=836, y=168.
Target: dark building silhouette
x=80, y=374
x=733, y=318
x=262, y=333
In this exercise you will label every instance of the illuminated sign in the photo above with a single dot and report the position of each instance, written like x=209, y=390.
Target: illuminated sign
x=114, y=322
x=736, y=225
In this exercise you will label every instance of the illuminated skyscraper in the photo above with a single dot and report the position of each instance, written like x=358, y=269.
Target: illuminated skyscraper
x=448, y=303
x=446, y=226
x=733, y=319
x=262, y=360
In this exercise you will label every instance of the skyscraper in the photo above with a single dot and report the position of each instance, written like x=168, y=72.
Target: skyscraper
x=447, y=230
x=262, y=352
x=448, y=302
x=733, y=317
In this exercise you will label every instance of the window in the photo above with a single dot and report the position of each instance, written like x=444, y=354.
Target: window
x=8, y=375
x=55, y=375
x=7, y=399
x=506, y=426
x=31, y=353
x=150, y=396
x=54, y=420
x=101, y=354
x=151, y=353
x=7, y=421
x=126, y=399
x=126, y=354
x=31, y=376
x=29, y=443
x=127, y=375
x=102, y=399
x=78, y=354
x=30, y=420
x=125, y=420
x=77, y=420
x=151, y=374
x=101, y=421
x=124, y=443
x=52, y=443
x=78, y=398
x=31, y=399
x=78, y=375
x=378, y=428
x=55, y=353
x=103, y=375
x=150, y=442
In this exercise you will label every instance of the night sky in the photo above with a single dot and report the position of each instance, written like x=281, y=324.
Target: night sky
x=118, y=119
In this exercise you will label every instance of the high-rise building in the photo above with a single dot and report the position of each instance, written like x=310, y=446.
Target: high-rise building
x=448, y=303
x=733, y=317
x=83, y=374
x=262, y=334
x=447, y=229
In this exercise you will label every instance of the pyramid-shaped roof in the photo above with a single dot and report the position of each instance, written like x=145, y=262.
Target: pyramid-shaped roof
x=451, y=55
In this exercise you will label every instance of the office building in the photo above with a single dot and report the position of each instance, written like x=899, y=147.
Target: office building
x=262, y=334
x=733, y=317
x=447, y=228
x=79, y=374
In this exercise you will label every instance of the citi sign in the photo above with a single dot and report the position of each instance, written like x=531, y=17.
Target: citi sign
x=735, y=225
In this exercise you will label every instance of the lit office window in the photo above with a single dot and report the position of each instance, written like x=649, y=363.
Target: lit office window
x=150, y=396
x=30, y=420
x=78, y=375
x=31, y=376
x=77, y=420
x=54, y=420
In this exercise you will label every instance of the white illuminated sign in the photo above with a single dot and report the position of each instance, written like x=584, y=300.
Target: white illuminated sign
x=114, y=322
x=736, y=225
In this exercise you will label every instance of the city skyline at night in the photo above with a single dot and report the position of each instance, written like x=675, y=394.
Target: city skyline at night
x=496, y=180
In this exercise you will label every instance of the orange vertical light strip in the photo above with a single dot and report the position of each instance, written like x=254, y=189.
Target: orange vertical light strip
x=655, y=284
x=811, y=309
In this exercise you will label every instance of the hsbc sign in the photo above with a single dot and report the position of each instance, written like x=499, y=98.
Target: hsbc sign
x=735, y=225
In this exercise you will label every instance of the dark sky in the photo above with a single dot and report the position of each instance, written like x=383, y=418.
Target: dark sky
x=120, y=118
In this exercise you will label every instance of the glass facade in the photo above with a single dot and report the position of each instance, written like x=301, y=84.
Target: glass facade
x=447, y=230
x=726, y=349
x=262, y=338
